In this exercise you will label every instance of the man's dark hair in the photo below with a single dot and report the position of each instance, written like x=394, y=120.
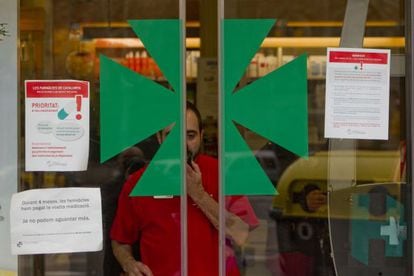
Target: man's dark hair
x=193, y=108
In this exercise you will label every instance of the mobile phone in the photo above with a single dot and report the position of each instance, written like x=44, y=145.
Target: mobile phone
x=189, y=158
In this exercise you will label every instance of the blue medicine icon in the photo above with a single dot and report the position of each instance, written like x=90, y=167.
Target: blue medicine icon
x=66, y=110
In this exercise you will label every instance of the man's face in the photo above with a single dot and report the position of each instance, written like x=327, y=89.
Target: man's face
x=194, y=136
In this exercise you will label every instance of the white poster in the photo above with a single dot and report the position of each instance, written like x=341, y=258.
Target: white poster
x=56, y=220
x=57, y=125
x=357, y=93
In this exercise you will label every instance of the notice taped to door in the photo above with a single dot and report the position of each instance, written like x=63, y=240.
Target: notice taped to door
x=357, y=93
x=57, y=220
x=57, y=125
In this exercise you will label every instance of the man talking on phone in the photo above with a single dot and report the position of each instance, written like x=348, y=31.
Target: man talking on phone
x=154, y=222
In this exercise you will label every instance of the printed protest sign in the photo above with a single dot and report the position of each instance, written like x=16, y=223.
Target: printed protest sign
x=357, y=93
x=57, y=125
x=56, y=220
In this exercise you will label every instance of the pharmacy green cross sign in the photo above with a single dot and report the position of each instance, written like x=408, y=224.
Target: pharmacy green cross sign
x=134, y=107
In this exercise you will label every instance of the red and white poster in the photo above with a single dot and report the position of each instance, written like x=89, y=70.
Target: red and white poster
x=357, y=93
x=57, y=125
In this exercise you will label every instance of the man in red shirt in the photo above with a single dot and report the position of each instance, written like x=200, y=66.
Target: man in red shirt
x=155, y=222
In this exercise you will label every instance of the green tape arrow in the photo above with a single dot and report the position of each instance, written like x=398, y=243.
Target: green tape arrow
x=127, y=98
x=242, y=168
x=162, y=40
x=242, y=39
x=275, y=106
x=163, y=173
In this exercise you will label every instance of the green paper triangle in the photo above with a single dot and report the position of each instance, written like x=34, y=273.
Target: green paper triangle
x=275, y=106
x=127, y=99
x=243, y=173
x=134, y=107
x=163, y=41
x=163, y=175
x=242, y=39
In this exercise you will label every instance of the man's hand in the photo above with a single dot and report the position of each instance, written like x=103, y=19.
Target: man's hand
x=195, y=187
x=315, y=199
x=131, y=267
x=134, y=268
x=236, y=228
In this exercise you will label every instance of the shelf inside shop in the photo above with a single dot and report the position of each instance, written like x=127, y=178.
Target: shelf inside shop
x=269, y=42
x=100, y=43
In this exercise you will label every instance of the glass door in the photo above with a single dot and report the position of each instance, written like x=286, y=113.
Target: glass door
x=325, y=206
x=130, y=58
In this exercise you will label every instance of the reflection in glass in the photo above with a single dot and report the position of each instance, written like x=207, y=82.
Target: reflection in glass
x=294, y=236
